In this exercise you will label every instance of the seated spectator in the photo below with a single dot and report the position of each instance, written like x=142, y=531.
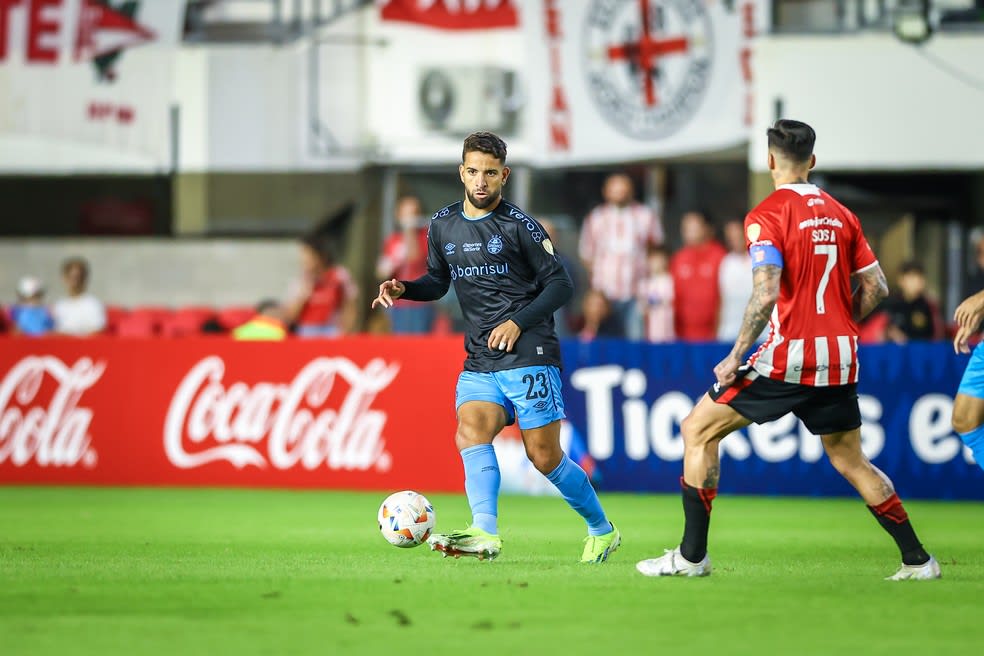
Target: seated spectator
x=404, y=257
x=597, y=318
x=656, y=296
x=30, y=316
x=322, y=301
x=911, y=313
x=696, y=298
x=268, y=324
x=79, y=313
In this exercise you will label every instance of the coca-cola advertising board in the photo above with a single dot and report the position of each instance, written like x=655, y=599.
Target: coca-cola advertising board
x=358, y=413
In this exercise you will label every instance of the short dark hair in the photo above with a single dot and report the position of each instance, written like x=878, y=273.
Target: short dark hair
x=484, y=142
x=266, y=304
x=794, y=139
x=75, y=261
x=321, y=245
x=911, y=266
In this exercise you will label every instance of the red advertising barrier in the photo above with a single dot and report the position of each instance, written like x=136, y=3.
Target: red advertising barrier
x=357, y=413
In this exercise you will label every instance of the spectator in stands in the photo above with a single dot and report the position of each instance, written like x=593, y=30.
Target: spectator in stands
x=656, y=296
x=597, y=318
x=975, y=275
x=268, y=324
x=613, y=246
x=912, y=313
x=696, y=298
x=734, y=283
x=322, y=301
x=30, y=316
x=404, y=256
x=79, y=313
x=563, y=316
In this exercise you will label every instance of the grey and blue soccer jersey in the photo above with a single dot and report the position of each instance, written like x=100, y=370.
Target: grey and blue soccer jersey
x=500, y=265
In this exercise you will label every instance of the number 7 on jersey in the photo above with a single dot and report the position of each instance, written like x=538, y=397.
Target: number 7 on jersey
x=829, y=250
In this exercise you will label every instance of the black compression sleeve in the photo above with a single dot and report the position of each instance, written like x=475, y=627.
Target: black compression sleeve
x=425, y=288
x=555, y=293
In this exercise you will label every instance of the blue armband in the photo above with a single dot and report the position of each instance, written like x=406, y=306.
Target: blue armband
x=763, y=254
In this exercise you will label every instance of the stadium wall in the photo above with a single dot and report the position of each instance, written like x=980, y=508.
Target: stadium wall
x=139, y=271
x=377, y=413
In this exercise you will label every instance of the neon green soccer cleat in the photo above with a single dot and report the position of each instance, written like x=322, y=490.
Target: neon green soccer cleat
x=597, y=548
x=471, y=541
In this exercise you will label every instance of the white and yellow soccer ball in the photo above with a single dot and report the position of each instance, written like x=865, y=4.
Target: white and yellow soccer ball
x=406, y=519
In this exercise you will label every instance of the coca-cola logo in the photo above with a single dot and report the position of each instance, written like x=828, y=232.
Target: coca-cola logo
x=55, y=434
x=281, y=425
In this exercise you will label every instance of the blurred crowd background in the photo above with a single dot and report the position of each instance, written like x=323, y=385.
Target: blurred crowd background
x=253, y=168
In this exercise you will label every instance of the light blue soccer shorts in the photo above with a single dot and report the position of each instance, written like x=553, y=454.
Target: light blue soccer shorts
x=531, y=394
x=972, y=383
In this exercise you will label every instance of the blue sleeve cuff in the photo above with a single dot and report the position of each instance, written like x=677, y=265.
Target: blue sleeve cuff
x=763, y=254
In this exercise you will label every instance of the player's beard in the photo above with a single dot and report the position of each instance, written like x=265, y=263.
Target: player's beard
x=482, y=203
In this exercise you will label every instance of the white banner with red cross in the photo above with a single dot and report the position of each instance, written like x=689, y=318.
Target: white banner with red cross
x=642, y=79
x=87, y=79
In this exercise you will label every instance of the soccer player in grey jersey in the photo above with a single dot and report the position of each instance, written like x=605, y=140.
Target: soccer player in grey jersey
x=509, y=282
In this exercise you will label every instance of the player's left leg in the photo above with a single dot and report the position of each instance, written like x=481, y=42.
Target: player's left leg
x=844, y=451
x=968, y=405
x=703, y=429
x=543, y=449
x=535, y=393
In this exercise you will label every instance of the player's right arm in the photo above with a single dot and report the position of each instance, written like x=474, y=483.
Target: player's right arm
x=429, y=287
x=872, y=290
x=968, y=317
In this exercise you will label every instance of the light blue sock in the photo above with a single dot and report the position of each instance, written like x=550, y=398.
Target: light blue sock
x=975, y=440
x=482, y=480
x=574, y=485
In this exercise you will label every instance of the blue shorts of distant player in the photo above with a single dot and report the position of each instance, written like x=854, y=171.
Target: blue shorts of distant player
x=972, y=383
x=529, y=394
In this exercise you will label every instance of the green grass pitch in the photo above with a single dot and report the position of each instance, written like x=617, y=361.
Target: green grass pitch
x=184, y=572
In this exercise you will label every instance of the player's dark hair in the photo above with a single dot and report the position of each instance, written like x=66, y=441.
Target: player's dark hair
x=75, y=261
x=794, y=139
x=484, y=142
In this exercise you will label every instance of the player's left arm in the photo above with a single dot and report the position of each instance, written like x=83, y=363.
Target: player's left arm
x=556, y=290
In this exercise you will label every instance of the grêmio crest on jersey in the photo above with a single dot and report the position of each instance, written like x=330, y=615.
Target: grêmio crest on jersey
x=648, y=63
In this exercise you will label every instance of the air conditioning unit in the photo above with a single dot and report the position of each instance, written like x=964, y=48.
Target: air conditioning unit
x=459, y=100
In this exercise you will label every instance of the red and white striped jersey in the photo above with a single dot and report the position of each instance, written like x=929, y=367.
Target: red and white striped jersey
x=813, y=338
x=613, y=242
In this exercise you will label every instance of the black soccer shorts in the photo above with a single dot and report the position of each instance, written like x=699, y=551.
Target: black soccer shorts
x=824, y=410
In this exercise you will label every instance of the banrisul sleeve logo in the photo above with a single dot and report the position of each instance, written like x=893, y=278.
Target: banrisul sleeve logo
x=648, y=63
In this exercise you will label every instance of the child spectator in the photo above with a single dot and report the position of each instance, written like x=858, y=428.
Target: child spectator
x=597, y=318
x=29, y=315
x=912, y=314
x=656, y=296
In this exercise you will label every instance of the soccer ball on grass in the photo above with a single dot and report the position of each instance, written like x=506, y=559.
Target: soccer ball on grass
x=406, y=519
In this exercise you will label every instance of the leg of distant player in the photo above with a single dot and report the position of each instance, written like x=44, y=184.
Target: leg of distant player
x=543, y=449
x=702, y=431
x=844, y=451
